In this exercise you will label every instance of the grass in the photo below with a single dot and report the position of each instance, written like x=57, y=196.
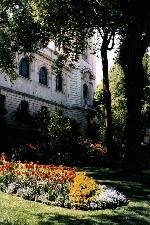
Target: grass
x=16, y=211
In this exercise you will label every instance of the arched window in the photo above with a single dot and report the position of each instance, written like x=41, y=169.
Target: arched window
x=59, y=82
x=43, y=75
x=24, y=67
x=85, y=91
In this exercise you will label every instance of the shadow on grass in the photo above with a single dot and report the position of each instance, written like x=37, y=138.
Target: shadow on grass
x=11, y=223
x=65, y=220
x=133, y=185
x=121, y=216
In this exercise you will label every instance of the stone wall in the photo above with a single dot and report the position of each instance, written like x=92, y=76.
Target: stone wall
x=13, y=99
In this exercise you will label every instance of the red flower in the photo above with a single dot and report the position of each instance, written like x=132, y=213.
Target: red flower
x=30, y=147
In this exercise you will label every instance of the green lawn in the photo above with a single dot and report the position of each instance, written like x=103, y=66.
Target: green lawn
x=17, y=211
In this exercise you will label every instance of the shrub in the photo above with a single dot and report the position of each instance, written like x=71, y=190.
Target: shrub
x=56, y=136
x=27, y=152
x=56, y=140
x=91, y=154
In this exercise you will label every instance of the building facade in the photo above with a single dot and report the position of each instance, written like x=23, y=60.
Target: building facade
x=71, y=92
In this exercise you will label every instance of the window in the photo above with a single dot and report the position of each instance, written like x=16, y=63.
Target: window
x=43, y=76
x=22, y=112
x=24, y=106
x=85, y=91
x=59, y=82
x=24, y=67
x=57, y=46
x=2, y=105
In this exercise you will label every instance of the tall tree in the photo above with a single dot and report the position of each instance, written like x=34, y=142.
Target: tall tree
x=76, y=23
x=117, y=87
x=136, y=39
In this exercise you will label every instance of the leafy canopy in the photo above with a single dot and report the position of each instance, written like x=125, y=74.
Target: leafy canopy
x=28, y=25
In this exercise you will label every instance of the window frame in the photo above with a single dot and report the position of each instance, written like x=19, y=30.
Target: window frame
x=59, y=83
x=85, y=95
x=24, y=72
x=43, y=79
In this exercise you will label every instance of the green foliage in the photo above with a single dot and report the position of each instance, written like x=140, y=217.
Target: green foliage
x=90, y=154
x=99, y=105
x=53, y=128
x=19, y=33
x=25, y=152
x=29, y=25
x=146, y=105
x=56, y=140
x=56, y=135
x=119, y=109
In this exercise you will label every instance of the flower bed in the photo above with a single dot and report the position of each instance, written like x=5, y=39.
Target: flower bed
x=57, y=185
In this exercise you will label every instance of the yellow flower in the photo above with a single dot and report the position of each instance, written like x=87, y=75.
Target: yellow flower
x=81, y=188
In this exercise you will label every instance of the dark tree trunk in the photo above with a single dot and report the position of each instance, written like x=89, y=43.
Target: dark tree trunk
x=107, y=102
x=131, y=54
x=136, y=39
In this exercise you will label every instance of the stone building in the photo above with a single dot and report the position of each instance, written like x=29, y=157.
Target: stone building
x=71, y=92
